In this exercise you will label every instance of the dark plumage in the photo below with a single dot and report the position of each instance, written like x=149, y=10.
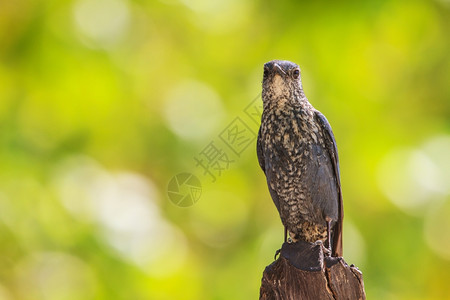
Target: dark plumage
x=297, y=152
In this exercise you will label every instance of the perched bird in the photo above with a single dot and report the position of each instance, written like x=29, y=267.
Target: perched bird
x=297, y=152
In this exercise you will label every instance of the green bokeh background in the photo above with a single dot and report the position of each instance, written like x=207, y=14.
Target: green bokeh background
x=102, y=102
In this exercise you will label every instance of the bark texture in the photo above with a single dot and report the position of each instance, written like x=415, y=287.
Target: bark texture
x=302, y=272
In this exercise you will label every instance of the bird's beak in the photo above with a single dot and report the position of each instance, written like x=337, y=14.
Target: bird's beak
x=279, y=70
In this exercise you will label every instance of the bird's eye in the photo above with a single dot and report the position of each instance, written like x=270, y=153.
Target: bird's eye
x=296, y=74
x=266, y=72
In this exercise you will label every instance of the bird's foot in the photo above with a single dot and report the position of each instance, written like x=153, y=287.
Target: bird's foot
x=326, y=251
x=276, y=254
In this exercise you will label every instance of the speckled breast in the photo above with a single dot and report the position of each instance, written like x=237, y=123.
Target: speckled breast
x=291, y=142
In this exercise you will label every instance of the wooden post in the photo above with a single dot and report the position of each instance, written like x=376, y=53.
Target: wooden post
x=303, y=272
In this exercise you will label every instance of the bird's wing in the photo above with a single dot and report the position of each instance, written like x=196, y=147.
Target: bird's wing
x=260, y=153
x=330, y=143
x=269, y=175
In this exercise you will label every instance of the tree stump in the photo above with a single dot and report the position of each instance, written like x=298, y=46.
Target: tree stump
x=303, y=272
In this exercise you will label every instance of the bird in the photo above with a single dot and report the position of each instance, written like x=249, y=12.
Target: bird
x=297, y=151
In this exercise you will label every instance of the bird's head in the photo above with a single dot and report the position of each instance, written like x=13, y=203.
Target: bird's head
x=281, y=80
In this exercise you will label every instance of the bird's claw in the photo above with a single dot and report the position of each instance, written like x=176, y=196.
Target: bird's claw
x=276, y=254
x=326, y=251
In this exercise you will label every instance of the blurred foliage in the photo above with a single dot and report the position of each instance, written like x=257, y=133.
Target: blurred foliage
x=102, y=102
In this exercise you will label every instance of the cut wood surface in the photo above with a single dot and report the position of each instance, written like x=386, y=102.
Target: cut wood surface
x=303, y=272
